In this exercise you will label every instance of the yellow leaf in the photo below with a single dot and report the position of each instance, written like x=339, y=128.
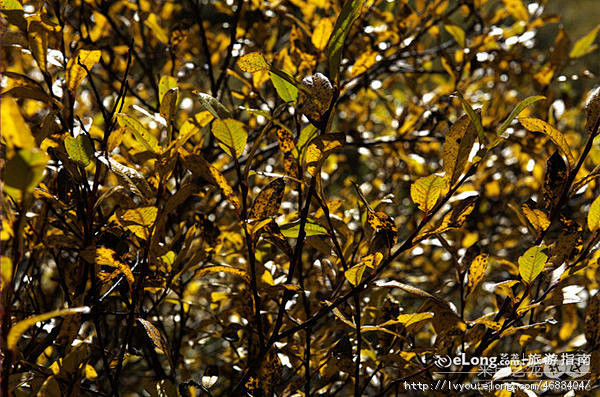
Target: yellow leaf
x=426, y=191
x=168, y=104
x=585, y=45
x=253, y=62
x=457, y=33
x=90, y=372
x=225, y=269
x=15, y=131
x=18, y=329
x=363, y=63
x=531, y=263
x=38, y=42
x=231, y=136
x=372, y=260
x=516, y=9
x=76, y=73
x=355, y=273
x=319, y=148
x=6, y=272
x=106, y=257
x=198, y=165
x=137, y=220
x=154, y=335
x=268, y=200
x=537, y=218
x=165, y=84
x=537, y=125
x=141, y=134
x=409, y=319
x=476, y=271
x=156, y=29
x=593, y=218
x=322, y=32
x=457, y=147
x=288, y=148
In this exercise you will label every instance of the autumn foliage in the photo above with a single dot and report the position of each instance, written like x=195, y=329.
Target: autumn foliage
x=302, y=197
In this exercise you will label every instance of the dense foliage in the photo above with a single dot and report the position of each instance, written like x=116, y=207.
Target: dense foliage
x=297, y=197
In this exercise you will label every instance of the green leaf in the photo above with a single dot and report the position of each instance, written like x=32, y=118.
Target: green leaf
x=593, y=218
x=10, y=5
x=537, y=125
x=585, y=45
x=349, y=14
x=286, y=91
x=457, y=33
x=79, y=149
x=474, y=116
x=15, y=332
x=139, y=131
x=253, y=62
x=291, y=230
x=516, y=111
x=215, y=107
x=231, y=136
x=24, y=171
x=531, y=263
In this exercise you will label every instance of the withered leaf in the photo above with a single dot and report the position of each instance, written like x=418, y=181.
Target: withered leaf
x=268, y=200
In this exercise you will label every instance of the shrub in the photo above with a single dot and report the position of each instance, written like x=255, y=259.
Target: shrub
x=303, y=197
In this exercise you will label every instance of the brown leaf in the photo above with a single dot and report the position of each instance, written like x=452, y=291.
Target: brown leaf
x=268, y=200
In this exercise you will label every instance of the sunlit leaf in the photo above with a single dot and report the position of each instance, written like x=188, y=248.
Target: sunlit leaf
x=537, y=125
x=38, y=42
x=350, y=12
x=516, y=9
x=165, y=84
x=363, y=63
x=231, y=135
x=457, y=146
x=224, y=269
x=80, y=149
x=315, y=97
x=291, y=230
x=18, y=329
x=75, y=72
x=321, y=34
x=15, y=131
x=593, y=218
x=585, y=45
x=457, y=33
x=137, y=220
x=155, y=336
x=476, y=271
x=409, y=319
x=531, y=263
x=286, y=90
x=288, y=148
x=355, y=273
x=426, y=191
x=106, y=257
x=537, y=218
x=253, y=62
x=142, y=135
x=319, y=148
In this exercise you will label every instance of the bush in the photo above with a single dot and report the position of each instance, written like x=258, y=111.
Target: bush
x=295, y=198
